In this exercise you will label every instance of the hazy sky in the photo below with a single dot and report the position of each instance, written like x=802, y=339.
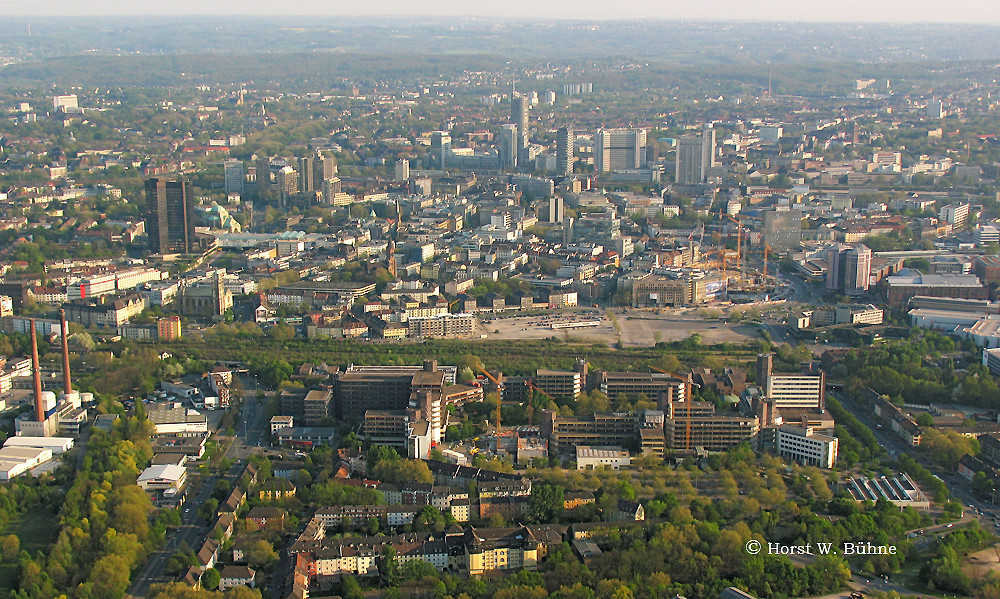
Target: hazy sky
x=964, y=11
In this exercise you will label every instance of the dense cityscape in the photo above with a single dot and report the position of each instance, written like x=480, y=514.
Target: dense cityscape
x=320, y=315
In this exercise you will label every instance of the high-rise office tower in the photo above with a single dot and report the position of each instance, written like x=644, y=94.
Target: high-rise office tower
x=557, y=209
x=263, y=167
x=619, y=149
x=708, y=147
x=440, y=149
x=288, y=183
x=850, y=269
x=688, y=163
x=765, y=363
x=307, y=174
x=519, y=116
x=836, y=258
x=565, y=139
x=858, y=270
x=325, y=168
x=233, y=176
x=170, y=216
x=331, y=187
x=695, y=155
x=508, y=147
x=782, y=229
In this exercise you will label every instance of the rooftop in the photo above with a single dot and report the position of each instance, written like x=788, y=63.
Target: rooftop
x=908, y=277
x=586, y=451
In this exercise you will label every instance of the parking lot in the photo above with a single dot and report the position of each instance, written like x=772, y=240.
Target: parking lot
x=637, y=328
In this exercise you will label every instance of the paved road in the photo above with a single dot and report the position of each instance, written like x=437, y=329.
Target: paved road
x=194, y=529
x=958, y=488
x=192, y=532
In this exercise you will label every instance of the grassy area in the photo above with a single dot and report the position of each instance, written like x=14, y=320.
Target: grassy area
x=37, y=531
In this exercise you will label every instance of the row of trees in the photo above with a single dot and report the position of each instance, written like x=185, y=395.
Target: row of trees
x=107, y=525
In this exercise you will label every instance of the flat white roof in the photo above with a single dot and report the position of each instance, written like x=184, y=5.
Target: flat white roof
x=23, y=454
x=56, y=444
x=586, y=451
x=161, y=472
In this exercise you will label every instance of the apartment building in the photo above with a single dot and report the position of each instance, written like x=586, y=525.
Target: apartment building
x=443, y=325
x=471, y=551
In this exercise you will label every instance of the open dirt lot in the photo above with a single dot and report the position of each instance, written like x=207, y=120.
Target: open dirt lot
x=637, y=328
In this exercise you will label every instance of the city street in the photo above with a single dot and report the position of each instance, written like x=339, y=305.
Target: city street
x=250, y=433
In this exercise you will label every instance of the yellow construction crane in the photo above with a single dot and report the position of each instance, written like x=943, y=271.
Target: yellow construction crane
x=534, y=387
x=739, y=241
x=499, y=393
x=767, y=250
x=687, y=398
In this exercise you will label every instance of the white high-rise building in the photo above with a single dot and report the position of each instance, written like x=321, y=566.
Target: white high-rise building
x=956, y=214
x=556, y=210
x=565, y=140
x=708, y=147
x=500, y=220
x=519, y=116
x=64, y=102
x=796, y=390
x=619, y=149
x=402, y=169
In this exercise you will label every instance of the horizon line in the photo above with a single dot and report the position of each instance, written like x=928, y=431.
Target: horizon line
x=495, y=18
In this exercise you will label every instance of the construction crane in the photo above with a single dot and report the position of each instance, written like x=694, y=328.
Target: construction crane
x=767, y=250
x=687, y=398
x=531, y=408
x=499, y=393
x=452, y=304
x=739, y=241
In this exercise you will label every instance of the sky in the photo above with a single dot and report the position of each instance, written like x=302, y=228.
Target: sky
x=930, y=11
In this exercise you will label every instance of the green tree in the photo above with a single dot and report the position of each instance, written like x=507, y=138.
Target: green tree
x=403, y=471
x=260, y=554
x=388, y=568
x=10, y=546
x=210, y=579
x=110, y=577
x=545, y=503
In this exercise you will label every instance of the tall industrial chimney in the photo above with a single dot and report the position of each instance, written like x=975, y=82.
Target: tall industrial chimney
x=64, y=333
x=36, y=372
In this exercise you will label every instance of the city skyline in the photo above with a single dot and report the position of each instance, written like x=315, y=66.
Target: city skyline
x=843, y=11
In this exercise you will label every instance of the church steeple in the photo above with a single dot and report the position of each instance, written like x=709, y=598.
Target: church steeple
x=390, y=251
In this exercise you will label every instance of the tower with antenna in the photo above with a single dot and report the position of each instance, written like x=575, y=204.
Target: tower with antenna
x=769, y=89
